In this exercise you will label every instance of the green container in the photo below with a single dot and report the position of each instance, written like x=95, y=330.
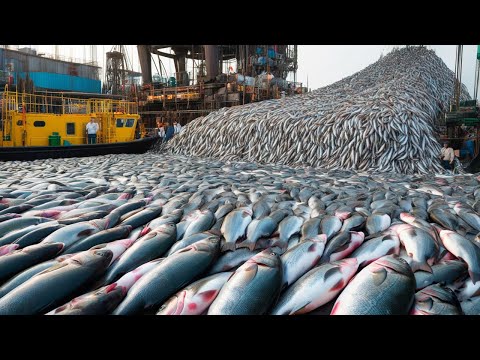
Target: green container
x=478, y=52
x=54, y=140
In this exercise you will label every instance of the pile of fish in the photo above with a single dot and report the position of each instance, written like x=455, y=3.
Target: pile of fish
x=381, y=119
x=167, y=234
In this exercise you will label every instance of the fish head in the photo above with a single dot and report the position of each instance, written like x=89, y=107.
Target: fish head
x=116, y=247
x=176, y=212
x=210, y=244
x=266, y=258
x=167, y=228
x=443, y=294
x=97, y=257
x=425, y=299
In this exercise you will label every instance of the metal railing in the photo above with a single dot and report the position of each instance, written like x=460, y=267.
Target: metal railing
x=60, y=104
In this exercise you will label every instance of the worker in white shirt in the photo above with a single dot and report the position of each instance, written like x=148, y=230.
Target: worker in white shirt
x=160, y=131
x=177, y=127
x=92, y=129
x=447, y=156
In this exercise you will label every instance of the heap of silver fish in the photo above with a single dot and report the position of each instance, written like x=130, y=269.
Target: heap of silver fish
x=167, y=234
x=381, y=119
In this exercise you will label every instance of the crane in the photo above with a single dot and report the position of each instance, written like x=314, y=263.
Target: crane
x=464, y=116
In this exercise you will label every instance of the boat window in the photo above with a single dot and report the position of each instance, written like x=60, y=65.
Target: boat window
x=130, y=122
x=120, y=122
x=39, y=123
x=19, y=122
x=70, y=128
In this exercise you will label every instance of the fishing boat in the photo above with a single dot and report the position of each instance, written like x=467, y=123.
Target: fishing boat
x=53, y=125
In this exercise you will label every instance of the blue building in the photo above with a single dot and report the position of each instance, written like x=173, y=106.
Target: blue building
x=46, y=73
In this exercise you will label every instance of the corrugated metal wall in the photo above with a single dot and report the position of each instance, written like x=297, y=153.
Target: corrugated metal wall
x=23, y=62
x=51, y=81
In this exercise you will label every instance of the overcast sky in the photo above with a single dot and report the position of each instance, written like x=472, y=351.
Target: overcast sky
x=322, y=64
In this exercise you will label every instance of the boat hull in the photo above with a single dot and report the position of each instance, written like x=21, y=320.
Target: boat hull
x=45, y=152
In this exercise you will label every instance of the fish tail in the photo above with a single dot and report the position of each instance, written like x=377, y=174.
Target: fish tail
x=246, y=244
x=228, y=246
x=418, y=265
x=474, y=276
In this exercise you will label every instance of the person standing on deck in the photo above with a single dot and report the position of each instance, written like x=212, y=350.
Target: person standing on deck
x=447, y=156
x=177, y=128
x=160, y=131
x=170, y=132
x=92, y=129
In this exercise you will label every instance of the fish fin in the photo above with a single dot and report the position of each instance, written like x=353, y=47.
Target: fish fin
x=476, y=293
x=331, y=272
x=392, y=251
x=312, y=248
x=144, y=231
x=474, y=276
x=379, y=276
x=110, y=287
x=342, y=247
x=215, y=232
x=298, y=311
x=249, y=273
x=339, y=285
x=246, y=244
x=374, y=235
x=228, y=246
x=335, y=308
x=281, y=244
x=325, y=258
x=85, y=232
x=417, y=265
x=57, y=310
x=209, y=295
